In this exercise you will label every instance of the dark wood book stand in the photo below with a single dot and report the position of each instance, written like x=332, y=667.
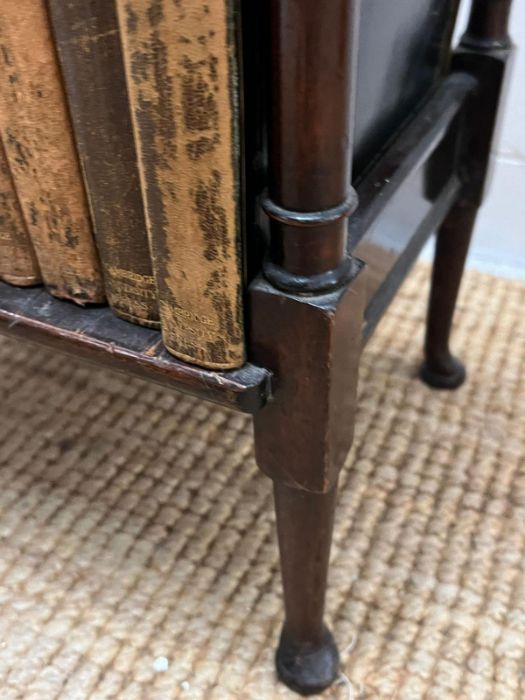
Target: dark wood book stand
x=334, y=255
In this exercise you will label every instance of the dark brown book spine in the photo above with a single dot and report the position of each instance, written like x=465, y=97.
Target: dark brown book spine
x=37, y=136
x=88, y=44
x=18, y=263
x=182, y=75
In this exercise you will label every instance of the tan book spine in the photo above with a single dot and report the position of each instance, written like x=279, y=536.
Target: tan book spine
x=36, y=131
x=88, y=45
x=181, y=69
x=18, y=263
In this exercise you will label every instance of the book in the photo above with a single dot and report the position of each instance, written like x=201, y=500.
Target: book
x=36, y=132
x=18, y=263
x=182, y=75
x=88, y=45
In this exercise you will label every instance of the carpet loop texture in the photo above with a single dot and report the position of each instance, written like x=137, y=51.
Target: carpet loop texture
x=138, y=556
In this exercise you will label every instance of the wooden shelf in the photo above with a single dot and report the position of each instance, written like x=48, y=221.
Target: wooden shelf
x=403, y=198
x=97, y=335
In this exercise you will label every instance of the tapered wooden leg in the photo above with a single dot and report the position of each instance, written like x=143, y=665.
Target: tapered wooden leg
x=441, y=369
x=307, y=658
x=312, y=346
x=484, y=52
x=306, y=309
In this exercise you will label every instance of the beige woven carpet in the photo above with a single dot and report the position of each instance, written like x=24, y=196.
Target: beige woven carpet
x=137, y=550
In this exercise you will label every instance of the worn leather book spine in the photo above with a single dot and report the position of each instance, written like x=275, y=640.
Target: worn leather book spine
x=18, y=263
x=88, y=45
x=37, y=135
x=182, y=74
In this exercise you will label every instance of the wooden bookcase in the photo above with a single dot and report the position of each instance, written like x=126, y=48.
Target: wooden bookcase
x=335, y=258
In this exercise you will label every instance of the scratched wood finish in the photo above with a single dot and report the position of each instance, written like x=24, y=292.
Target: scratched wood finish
x=97, y=335
x=18, y=263
x=88, y=45
x=182, y=77
x=37, y=135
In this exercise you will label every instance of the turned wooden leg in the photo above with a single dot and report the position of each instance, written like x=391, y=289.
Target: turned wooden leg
x=484, y=52
x=302, y=437
x=306, y=310
x=307, y=658
x=441, y=369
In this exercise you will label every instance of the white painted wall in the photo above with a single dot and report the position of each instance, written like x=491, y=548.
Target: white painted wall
x=498, y=244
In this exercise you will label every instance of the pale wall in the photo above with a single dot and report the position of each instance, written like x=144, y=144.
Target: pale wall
x=499, y=237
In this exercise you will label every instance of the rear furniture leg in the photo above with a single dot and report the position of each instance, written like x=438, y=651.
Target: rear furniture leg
x=441, y=369
x=484, y=52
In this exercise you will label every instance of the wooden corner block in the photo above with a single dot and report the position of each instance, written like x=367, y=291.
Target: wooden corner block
x=312, y=344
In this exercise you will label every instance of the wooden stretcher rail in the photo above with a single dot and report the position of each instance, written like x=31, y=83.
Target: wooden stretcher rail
x=406, y=194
